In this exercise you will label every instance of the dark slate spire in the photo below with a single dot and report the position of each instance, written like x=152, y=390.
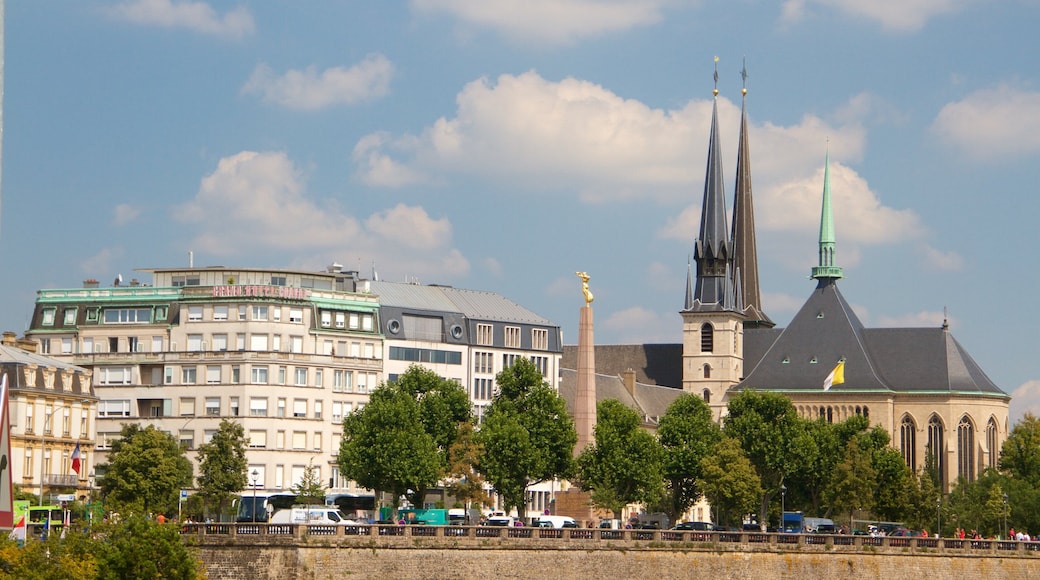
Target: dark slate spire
x=711, y=249
x=827, y=272
x=689, y=285
x=745, y=253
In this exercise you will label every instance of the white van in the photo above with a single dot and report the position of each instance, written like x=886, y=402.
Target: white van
x=555, y=522
x=310, y=515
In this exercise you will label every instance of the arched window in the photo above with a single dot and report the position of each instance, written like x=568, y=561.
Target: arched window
x=866, y=412
x=707, y=395
x=830, y=415
x=822, y=413
x=991, y=442
x=966, y=449
x=908, y=441
x=707, y=371
x=707, y=338
x=937, y=448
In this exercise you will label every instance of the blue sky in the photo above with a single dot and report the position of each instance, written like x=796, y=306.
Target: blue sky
x=504, y=144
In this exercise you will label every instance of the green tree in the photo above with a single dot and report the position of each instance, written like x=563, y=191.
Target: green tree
x=57, y=557
x=624, y=464
x=145, y=472
x=852, y=486
x=310, y=490
x=688, y=435
x=527, y=434
x=730, y=482
x=1020, y=454
x=138, y=547
x=222, y=466
x=772, y=436
x=463, y=480
x=386, y=448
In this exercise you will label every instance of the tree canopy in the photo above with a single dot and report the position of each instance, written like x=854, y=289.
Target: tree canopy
x=527, y=434
x=688, y=435
x=625, y=463
x=145, y=472
x=222, y=466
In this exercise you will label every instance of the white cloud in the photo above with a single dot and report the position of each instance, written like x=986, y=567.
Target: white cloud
x=197, y=16
x=310, y=90
x=939, y=260
x=1025, y=399
x=493, y=266
x=103, y=261
x=638, y=325
x=922, y=319
x=898, y=15
x=125, y=213
x=551, y=21
x=576, y=136
x=992, y=124
x=256, y=203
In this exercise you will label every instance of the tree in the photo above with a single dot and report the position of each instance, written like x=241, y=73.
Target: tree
x=222, y=466
x=527, y=434
x=852, y=486
x=145, y=472
x=1020, y=454
x=399, y=442
x=310, y=490
x=624, y=464
x=772, y=436
x=688, y=434
x=730, y=482
x=463, y=480
x=137, y=547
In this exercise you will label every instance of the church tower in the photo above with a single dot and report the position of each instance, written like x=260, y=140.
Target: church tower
x=713, y=311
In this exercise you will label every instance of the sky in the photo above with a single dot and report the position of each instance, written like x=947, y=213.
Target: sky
x=503, y=145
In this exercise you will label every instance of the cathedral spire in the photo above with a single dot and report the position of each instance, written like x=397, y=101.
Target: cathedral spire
x=827, y=270
x=745, y=253
x=711, y=249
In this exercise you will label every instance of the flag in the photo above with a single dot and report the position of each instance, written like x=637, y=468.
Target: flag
x=75, y=459
x=18, y=532
x=836, y=377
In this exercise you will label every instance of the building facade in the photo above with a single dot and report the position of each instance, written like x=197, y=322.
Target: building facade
x=52, y=411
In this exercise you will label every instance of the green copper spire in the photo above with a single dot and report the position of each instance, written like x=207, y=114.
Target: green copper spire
x=827, y=270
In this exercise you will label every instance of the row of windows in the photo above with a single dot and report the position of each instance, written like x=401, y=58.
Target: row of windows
x=283, y=407
x=512, y=337
x=216, y=342
x=425, y=355
x=62, y=423
x=935, y=446
x=29, y=469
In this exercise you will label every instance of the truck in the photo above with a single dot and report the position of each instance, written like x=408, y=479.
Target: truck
x=322, y=515
x=792, y=523
x=424, y=517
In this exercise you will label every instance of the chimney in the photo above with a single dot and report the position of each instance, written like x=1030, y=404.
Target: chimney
x=90, y=283
x=9, y=338
x=629, y=378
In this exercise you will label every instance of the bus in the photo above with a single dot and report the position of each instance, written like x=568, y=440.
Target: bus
x=261, y=506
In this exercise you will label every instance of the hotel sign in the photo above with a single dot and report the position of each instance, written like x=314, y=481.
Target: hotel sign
x=253, y=291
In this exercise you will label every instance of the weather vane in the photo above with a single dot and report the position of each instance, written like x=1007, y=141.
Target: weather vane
x=716, y=90
x=743, y=77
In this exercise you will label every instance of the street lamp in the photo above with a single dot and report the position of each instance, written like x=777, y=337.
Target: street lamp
x=255, y=475
x=938, y=517
x=783, y=501
x=1005, y=516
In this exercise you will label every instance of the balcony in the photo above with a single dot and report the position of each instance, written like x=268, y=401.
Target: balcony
x=61, y=480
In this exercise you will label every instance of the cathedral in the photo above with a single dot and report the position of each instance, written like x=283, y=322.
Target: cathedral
x=919, y=384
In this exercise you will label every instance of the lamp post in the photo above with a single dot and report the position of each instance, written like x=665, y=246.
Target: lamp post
x=48, y=415
x=783, y=501
x=255, y=475
x=938, y=517
x=1005, y=516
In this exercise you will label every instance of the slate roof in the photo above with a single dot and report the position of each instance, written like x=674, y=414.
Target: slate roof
x=651, y=401
x=654, y=364
x=826, y=330
x=474, y=304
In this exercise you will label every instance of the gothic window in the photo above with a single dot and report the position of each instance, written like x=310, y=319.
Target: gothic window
x=707, y=395
x=707, y=338
x=936, y=447
x=991, y=443
x=908, y=441
x=830, y=415
x=966, y=449
x=707, y=371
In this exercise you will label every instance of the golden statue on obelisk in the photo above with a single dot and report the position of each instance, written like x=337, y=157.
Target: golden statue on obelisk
x=585, y=287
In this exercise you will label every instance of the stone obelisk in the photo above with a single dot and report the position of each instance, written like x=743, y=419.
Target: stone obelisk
x=585, y=392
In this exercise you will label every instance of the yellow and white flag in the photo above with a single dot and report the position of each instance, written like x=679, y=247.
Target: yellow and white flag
x=836, y=377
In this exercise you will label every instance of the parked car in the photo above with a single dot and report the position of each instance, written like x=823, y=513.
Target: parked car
x=698, y=526
x=555, y=522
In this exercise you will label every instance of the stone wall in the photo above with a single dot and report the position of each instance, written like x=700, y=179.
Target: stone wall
x=303, y=557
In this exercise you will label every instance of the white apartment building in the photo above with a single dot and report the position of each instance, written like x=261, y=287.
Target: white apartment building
x=286, y=353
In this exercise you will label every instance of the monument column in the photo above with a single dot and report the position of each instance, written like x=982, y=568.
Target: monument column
x=585, y=392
